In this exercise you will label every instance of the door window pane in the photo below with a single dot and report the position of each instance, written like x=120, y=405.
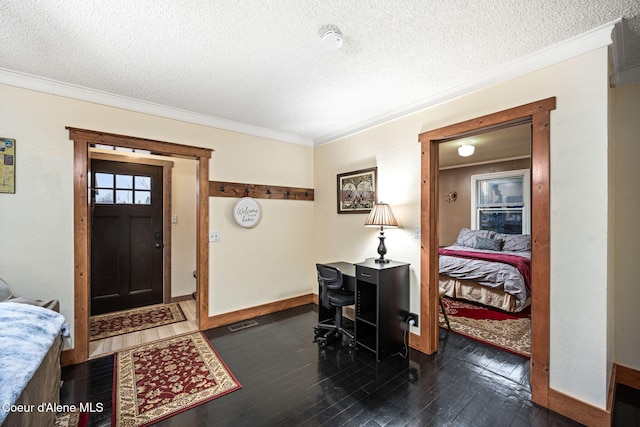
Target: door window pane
x=124, y=181
x=124, y=197
x=143, y=197
x=104, y=180
x=104, y=196
x=127, y=189
x=143, y=182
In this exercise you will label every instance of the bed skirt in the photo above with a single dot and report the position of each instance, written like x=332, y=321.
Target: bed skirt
x=475, y=292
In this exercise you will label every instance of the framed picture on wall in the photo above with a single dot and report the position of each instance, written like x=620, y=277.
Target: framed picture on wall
x=7, y=165
x=357, y=191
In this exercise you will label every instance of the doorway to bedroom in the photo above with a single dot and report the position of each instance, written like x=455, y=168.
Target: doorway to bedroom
x=484, y=237
x=538, y=114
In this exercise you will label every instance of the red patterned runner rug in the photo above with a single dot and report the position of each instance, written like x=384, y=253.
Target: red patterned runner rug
x=72, y=419
x=158, y=380
x=508, y=331
x=123, y=322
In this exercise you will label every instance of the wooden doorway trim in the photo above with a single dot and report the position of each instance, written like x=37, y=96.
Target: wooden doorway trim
x=166, y=207
x=82, y=139
x=538, y=114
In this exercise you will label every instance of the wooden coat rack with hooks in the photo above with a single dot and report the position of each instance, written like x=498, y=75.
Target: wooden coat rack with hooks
x=258, y=191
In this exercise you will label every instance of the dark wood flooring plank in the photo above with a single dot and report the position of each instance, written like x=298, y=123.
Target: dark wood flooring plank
x=288, y=380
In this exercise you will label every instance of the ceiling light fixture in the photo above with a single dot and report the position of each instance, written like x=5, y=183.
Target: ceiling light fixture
x=466, y=150
x=331, y=37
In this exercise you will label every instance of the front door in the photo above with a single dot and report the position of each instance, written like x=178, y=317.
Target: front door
x=126, y=236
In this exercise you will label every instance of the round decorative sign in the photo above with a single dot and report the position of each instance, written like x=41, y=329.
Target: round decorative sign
x=247, y=212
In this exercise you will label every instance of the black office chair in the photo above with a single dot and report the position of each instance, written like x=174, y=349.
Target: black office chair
x=333, y=296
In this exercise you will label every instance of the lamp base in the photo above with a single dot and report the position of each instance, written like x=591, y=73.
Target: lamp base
x=382, y=249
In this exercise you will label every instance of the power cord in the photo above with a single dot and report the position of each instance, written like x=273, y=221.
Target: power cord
x=410, y=322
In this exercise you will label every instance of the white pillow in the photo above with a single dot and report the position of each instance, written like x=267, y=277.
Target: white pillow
x=5, y=292
x=468, y=237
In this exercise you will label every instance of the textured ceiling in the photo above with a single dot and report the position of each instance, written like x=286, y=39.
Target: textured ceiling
x=261, y=63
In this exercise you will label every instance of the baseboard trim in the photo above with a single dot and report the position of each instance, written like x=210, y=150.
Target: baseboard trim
x=260, y=310
x=182, y=298
x=627, y=376
x=580, y=411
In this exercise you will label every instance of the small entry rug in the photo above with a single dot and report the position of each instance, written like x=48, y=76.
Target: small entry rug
x=509, y=331
x=123, y=322
x=158, y=380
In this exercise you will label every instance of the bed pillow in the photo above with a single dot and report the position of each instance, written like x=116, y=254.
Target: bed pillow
x=468, y=237
x=515, y=242
x=488, y=244
x=5, y=292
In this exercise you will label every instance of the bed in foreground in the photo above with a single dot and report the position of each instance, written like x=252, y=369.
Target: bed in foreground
x=30, y=346
x=489, y=268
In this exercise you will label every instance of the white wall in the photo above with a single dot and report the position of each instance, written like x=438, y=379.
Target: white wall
x=36, y=231
x=578, y=185
x=183, y=233
x=626, y=225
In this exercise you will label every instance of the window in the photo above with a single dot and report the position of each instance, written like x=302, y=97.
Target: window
x=501, y=202
x=122, y=189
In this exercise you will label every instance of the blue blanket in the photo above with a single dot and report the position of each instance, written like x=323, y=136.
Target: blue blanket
x=26, y=334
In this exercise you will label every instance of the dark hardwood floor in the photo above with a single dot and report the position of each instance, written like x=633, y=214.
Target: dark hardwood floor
x=288, y=381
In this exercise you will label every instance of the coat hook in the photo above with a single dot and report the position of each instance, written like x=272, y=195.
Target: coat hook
x=246, y=191
x=269, y=190
x=222, y=188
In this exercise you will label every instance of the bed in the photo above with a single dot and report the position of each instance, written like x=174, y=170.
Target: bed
x=30, y=346
x=489, y=268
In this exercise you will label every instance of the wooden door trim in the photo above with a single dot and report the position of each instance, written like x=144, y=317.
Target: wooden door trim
x=82, y=139
x=538, y=114
x=166, y=208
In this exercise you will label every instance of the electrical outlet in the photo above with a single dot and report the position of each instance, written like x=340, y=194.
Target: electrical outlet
x=413, y=317
x=416, y=232
x=66, y=330
x=214, y=236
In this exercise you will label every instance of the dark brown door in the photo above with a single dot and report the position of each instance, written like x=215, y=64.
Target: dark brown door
x=126, y=236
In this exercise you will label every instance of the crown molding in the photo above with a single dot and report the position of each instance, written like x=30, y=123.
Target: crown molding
x=586, y=42
x=620, y=75
x=54, y=87
x=625, y=77
x=570, y=48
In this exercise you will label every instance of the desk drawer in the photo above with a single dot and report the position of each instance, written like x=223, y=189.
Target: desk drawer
x=367, y=274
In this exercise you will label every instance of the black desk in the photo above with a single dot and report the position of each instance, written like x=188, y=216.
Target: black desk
x=382, y=304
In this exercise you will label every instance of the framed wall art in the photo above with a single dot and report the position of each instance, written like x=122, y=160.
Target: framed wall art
x=357, y=191
x=7, y=165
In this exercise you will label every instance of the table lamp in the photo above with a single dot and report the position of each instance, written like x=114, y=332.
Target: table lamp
x=381, y=216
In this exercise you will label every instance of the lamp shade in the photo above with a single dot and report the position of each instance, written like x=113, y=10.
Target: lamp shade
x=381, y=215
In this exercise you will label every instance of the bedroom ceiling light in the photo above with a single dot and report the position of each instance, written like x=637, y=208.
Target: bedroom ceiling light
x=331, y=37
x=466, y=150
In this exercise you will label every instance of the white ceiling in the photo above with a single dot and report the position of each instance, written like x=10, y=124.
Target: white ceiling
x=499, y=145
x=259, y=66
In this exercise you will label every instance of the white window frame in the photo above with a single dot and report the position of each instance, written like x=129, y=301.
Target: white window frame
x=526, y=196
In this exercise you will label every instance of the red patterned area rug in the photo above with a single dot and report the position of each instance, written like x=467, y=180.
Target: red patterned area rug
x=72, y=419
x=123, y=322
x=508, y=331
x=158, y=380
